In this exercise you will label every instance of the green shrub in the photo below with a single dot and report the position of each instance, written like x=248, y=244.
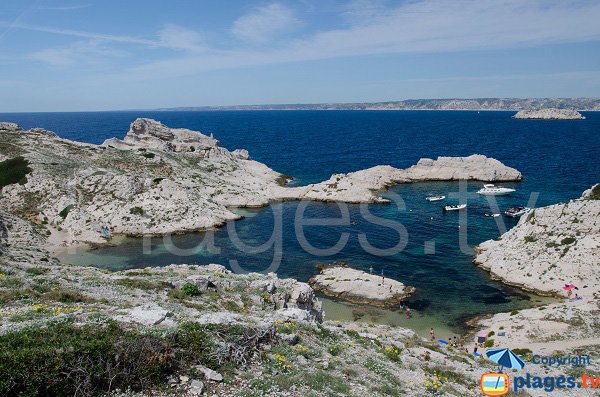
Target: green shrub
x=491, y=333
x=67, y=296
x=67, y=360
x=514, y=312
x=64, y=359
x=530, y=239
x=568, y=240
x=65, y=211
x=14, y=171
x=143, y=284
x=190, y=289
x=595, y=194
x=136, y=211
x=489, y=343
x=149, y=155
x=36, y=271
x=522, y=352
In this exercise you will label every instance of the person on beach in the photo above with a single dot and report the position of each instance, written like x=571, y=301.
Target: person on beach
x=408, y=312
x=475, y=349
x=432, y=333
x=371, y=270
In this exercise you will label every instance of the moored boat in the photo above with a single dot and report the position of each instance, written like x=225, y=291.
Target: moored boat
x=455, y=207
x=493, y=190
x=515, y=212
x=435, y=198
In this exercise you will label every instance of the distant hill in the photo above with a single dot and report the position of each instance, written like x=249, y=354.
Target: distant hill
x=515, y=104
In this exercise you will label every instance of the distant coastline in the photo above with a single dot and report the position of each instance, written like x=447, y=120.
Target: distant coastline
x=475, y=104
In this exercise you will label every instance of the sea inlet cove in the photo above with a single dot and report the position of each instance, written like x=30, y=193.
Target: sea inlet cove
x=243, y=200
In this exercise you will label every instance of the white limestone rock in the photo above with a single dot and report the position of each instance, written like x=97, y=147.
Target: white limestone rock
x=549, y=114
x=362, y=186
x=151, y=134
x=6, y=126
x=360, y=287
x=550, y=247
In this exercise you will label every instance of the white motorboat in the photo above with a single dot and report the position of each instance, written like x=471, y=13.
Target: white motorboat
x=435, y=198
x=455, y=207
x=493, y=215
x=515, y=212
x=493, y=190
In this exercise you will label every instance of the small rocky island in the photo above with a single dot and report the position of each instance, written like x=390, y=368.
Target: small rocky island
x=360, y=287
x=549, y=114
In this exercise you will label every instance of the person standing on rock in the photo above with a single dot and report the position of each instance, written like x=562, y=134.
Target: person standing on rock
x=408, y=312
x=432, y=333
x=382, y=277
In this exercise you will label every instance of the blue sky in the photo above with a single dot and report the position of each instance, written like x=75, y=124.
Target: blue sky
x=69, y=55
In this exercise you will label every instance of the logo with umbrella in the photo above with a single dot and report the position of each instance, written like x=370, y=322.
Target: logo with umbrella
x=498, y=384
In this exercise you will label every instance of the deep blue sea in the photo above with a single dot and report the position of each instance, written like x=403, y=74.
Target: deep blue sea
x=559, y=159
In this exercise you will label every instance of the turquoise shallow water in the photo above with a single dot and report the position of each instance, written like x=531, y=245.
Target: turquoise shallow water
x=557, y=158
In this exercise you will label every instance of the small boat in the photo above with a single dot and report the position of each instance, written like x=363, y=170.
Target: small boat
x=455, y=207
x=515, y=212
x=491, y=215
x=435, y=198
x=493, y=190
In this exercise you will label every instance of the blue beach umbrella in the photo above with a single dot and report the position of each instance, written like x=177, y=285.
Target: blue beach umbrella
x=505, y=358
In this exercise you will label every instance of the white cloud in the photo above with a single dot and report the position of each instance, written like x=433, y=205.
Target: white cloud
x=80, y=53
x=176, y=37
x=426, y=26
x=263, y=23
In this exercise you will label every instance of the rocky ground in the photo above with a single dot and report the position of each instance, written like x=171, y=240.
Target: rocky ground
x=159, y=180
x=549, y=114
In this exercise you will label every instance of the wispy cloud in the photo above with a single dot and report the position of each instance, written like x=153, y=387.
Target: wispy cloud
x=64, y=7
x=80, y=53
x=427, y=26
x=371, y=27
x=81, y=34
x=177, y=37
x=263, y=23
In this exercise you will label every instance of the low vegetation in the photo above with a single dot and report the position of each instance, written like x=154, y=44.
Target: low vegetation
x=65, y=359
x=13, y=171
x=595, y=194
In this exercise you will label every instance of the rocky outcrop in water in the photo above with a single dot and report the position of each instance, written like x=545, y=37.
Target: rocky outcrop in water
x=549, y=114
x=360, y=287
x=159, y=180
x=364, y=185
x=550, y=247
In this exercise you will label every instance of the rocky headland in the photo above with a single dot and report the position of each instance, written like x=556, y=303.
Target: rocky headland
x=159, y=180
x=550, y=247
x=549, y=114
x=360, y=287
